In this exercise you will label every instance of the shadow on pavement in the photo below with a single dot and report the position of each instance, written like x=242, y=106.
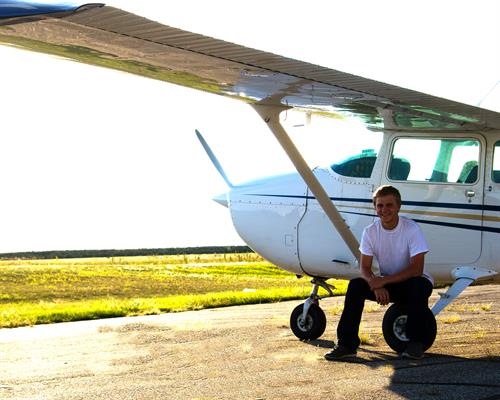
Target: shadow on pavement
x=436, y=376
x=444, y=376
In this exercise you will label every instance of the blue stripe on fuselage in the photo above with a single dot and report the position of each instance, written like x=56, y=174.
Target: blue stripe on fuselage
x=410, y=203
x=448, y=224
x=405, y=203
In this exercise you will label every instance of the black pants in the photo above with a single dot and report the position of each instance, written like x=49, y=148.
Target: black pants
x=413, y=292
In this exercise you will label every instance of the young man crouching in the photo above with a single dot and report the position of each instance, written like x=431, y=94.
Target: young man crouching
x=399, y=246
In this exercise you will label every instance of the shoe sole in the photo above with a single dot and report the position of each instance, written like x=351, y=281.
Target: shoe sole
x=340, y=357
x=410, y=357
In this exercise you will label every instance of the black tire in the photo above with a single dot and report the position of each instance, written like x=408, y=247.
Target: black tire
x=394, y=328
x=314, y=325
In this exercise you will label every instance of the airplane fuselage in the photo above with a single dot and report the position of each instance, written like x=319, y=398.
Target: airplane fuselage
x=450, y=184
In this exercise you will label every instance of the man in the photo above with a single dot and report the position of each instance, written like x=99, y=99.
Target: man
x=399, y=246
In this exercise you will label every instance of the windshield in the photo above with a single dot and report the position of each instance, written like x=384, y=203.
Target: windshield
x=356, y=151
x=358, y=166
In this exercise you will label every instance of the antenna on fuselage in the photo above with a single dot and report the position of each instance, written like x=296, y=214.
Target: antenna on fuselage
x=212, y=157
x=488, y=93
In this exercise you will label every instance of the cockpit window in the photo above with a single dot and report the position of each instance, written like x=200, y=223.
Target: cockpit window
x=359, y=166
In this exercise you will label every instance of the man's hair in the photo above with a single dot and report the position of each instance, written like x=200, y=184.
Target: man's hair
x=386, y=190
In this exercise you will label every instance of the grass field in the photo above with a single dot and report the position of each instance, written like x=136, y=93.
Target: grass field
x=46, y=291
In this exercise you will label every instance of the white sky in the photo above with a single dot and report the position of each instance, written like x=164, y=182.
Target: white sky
x=94, y=158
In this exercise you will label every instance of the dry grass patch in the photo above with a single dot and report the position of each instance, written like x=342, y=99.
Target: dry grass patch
x=471, y=308
x=450, y=319
x=365, y=337
x=372, y=307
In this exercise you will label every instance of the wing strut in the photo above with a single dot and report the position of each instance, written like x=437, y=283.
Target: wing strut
x=270, y=114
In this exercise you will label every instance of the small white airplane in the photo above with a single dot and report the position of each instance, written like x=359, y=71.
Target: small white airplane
x=443, y=156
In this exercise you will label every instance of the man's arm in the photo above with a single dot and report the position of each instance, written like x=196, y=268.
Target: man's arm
x=414, y=269
x=381, y=294
x=366, y=267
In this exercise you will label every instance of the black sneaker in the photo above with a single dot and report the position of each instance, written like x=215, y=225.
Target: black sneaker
x=414, y=351
x=339, y=352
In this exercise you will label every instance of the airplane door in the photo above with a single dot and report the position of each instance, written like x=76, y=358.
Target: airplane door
x=441, y=180
x=491, y=220
x=322, y=252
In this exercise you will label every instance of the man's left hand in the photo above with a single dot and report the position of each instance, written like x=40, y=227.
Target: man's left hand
x=382, y=296
x=376, y=282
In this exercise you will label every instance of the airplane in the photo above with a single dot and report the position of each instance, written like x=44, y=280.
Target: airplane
x=442, y=155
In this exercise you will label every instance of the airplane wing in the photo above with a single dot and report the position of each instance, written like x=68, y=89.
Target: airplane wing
x=113, y=38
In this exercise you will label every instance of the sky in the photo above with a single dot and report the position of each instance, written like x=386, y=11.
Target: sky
x=99, y=159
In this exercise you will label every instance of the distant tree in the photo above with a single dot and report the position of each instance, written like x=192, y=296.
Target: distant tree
x=32, y=255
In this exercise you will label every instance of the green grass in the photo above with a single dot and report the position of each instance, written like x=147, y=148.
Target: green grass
x=46, y=291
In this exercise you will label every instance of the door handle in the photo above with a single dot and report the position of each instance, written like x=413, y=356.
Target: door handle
x=470, y=194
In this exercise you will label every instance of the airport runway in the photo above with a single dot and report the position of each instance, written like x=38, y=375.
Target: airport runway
x=249, y=352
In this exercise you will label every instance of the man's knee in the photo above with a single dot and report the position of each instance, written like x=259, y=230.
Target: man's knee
x=418, y=289
x=358, y=286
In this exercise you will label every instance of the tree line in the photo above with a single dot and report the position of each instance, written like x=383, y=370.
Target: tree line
x=32, y=255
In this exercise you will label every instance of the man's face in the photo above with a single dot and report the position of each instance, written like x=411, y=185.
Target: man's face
x=387, y=208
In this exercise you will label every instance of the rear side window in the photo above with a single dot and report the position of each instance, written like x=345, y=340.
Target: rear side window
x=435, y=160
x=495, y=173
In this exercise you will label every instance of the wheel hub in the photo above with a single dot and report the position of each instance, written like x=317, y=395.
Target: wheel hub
x=399, y=327
x=305, y=324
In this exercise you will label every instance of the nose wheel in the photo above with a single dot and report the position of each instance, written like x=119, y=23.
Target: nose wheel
x=311, y=326
x=308, y=320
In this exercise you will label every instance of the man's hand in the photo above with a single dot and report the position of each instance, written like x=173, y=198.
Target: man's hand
x=382, y=296
x=376, y=282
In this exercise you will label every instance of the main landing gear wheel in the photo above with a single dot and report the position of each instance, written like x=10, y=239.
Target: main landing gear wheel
x=311, y=327
x=394, y=328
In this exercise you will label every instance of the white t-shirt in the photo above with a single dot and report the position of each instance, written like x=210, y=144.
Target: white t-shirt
x=394, y=248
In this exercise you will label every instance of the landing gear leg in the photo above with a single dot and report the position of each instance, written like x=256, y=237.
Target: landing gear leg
x=308, y=321
x=464, y=276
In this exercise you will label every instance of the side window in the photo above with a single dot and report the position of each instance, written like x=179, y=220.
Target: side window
x=495, y=174
x=435, y=160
